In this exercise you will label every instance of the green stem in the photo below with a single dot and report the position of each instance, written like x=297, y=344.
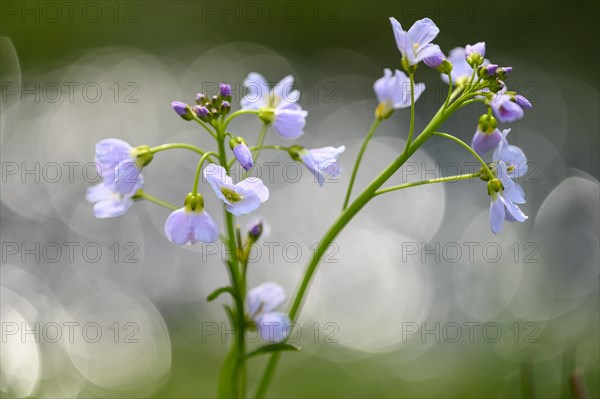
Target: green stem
x=363, y=147
x=260, y=141
x=342, y=220
x=468, y=147
x=239, y=375
x=449, y=90
x=171, y=146
x=412, y=111
x=429, y=181
x=157, y=201
x=204, y=125
x=199, y=170
x=236, y=114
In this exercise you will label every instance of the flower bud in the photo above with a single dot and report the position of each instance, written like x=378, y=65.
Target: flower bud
x=224, y=90
x=436, y=59
x=496, y=85
x=225, y=108
x=255, y=231
x=182, y=110
x=487, y=71
x=201, y=99
x=201, y=111
x=522, y=101
x=475, y=54
x=477, y=48
x=242, y=152
x=503, y=72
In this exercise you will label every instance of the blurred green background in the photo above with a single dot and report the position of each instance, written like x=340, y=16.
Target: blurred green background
x=558, y=37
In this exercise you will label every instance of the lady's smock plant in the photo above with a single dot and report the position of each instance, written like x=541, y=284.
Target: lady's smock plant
x=471, y=79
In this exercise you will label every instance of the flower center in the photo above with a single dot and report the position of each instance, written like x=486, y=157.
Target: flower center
x=231, y=195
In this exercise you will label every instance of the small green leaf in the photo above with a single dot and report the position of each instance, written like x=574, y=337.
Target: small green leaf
x=279, y=347
x=220, y=291
x=226, y=387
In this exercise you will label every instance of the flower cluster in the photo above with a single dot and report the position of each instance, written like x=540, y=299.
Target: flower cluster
x=471, y=78
x=469, y=70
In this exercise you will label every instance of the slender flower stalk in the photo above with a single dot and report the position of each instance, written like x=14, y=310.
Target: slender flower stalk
x=363, y=147
x=467, y=176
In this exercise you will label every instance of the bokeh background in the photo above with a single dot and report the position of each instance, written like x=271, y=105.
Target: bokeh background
x=416, y=298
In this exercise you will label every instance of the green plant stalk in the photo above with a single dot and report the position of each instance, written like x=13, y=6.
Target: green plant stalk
x=157, y=201
x=260, y=141
x=363, y=147
x=346, y=216
x=237, y=283
x=429, y=181
x=199, y=170
x=171, y=146
x=468, y=148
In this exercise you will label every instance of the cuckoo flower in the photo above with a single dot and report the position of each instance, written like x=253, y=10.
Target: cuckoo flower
x=261, y=301
x=121, y=172
x=278, y=105
x=505, y=109
x=241, y=198
x=119, y=165
x=487, y=135
x=322, y=162
x=511, y=155
x=506, y=194
x=415, y=45
x=510, y=163
x=108, y=202
x=191, y=224
x=393, y=92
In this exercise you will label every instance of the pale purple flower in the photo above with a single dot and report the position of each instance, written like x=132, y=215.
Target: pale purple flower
x=504, y=201
x=415, y=44
x=475, y=48
x=511, y=163
x=261, y=301
x=505, y=109
x=241, y=198
x=483, y=142
x=393, y=92
x=288, y=118
x=511, y=155
x=108, y=202
x=120, y=170
x=322, y=162
x=436, y=58
x=242, y=152
x=186, y=226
